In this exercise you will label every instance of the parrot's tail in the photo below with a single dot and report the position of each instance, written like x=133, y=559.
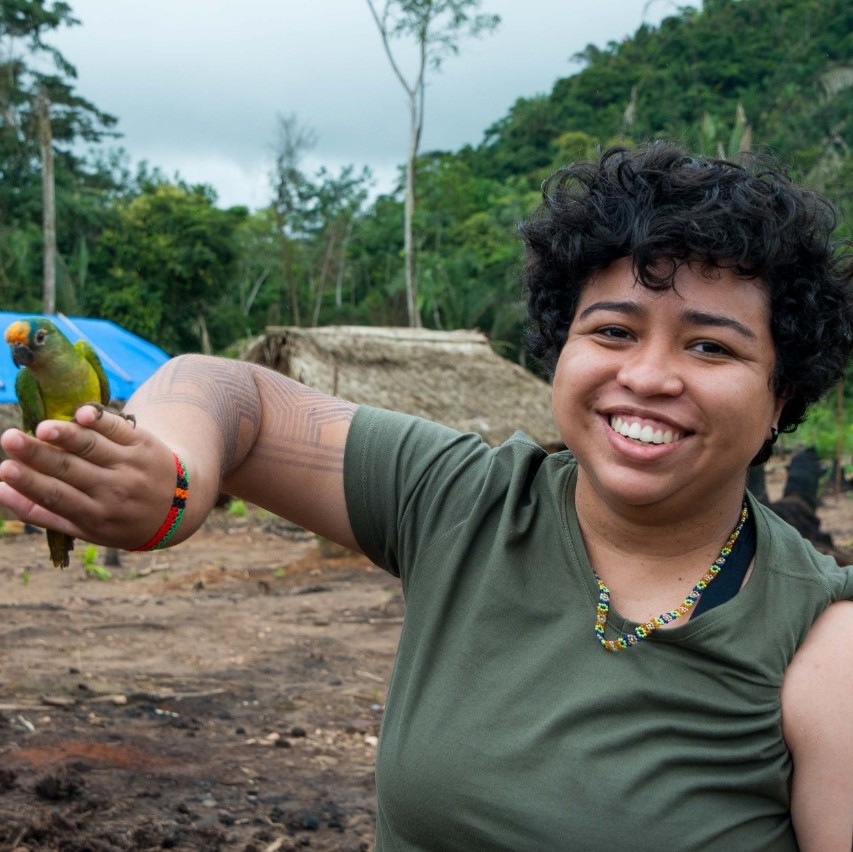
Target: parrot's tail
x=60, y=546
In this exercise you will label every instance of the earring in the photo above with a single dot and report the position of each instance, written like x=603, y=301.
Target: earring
x=774, y=435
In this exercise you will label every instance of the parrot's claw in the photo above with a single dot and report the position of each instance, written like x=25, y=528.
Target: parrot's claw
x=102, y=408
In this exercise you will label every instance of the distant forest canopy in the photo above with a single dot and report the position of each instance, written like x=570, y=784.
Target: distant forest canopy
x=162, y=259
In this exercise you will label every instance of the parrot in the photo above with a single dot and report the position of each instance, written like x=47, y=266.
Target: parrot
x=55, y=379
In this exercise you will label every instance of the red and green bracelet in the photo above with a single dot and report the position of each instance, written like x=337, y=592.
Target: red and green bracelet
x=176, y=510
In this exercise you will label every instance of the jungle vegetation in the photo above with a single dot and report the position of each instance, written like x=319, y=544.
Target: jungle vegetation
x=161, y=258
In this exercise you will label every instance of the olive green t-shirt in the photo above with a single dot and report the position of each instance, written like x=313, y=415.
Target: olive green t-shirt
x=507, y=725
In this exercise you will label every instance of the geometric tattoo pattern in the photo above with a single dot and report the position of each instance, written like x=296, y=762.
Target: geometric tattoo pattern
x=239, y=397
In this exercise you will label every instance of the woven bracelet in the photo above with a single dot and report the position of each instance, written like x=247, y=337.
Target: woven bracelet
x=176, y=510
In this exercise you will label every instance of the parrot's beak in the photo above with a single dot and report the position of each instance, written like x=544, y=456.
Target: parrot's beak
x=22, y=355
x=17, y=336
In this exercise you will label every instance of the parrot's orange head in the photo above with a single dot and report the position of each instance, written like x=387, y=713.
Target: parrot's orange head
x=26, y=337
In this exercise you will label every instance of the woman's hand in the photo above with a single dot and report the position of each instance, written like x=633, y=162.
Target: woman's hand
x=98, y=478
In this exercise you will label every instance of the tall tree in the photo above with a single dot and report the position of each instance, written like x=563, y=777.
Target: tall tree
x=290, y=190
x=39, y=108
x=49, y=205
x=336, y=202
x=436, y=27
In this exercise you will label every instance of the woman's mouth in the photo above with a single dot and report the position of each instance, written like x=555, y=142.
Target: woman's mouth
x=645, y=434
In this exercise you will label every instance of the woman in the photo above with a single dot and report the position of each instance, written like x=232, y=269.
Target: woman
x=571, y=671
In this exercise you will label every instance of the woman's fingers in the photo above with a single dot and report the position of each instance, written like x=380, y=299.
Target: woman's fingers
x=99, y=479
x=40, y=498
x=35, y=464
x=116, y=427
x=32, y=513
x=74, y=452
x=94, y=432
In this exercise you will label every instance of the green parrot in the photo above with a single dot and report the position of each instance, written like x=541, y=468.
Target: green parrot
x=55, y=379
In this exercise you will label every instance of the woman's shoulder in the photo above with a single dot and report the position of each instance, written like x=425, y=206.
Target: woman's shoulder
x=817, y=722
x=392, y=434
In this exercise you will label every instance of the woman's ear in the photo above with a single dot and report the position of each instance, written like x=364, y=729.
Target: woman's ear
x=777, y=409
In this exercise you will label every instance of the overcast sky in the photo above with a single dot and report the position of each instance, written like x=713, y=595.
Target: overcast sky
x=197, y=85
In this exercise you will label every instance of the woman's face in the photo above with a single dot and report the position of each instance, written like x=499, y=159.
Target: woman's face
x=666, y=397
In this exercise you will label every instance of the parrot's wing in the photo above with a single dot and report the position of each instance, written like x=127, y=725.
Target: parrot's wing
x=29, y=398
x=88, y=352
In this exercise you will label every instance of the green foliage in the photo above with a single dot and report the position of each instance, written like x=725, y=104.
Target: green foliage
x=820, y=429
x=435, y=28
x=90, y=565
x=236, y=509
x=165, y=263
x=435, y=25
x=770, y=56
x=31, y=71
x=161, y=258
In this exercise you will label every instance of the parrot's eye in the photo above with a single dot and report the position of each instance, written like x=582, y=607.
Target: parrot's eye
x=40, y=335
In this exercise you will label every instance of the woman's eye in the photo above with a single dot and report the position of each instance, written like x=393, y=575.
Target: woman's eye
x=709, y=347
x=614, y=332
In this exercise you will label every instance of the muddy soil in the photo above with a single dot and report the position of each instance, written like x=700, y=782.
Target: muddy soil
x=224, y=694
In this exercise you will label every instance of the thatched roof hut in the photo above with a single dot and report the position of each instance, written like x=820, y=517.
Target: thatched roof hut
x=452, y=377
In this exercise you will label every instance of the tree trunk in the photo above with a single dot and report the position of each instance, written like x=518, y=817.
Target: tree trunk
x=339, y=281
x=839, y=447
x=409, y=218
x=325, y=272
x=204, y=337
x=49, y=207
x=287, y=270
x=246, y=303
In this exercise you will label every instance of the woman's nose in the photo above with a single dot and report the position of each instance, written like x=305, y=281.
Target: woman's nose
x=651, y=371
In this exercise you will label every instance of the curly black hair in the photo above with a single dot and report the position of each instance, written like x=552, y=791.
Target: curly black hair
x=663, y=207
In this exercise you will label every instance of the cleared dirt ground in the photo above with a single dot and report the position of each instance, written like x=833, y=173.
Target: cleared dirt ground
x=225, y=694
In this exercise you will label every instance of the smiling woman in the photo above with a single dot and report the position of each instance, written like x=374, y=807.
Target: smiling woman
x=639, y=363
x=611, y=647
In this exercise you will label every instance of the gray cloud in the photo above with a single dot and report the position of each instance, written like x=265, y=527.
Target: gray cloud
x=197, y=84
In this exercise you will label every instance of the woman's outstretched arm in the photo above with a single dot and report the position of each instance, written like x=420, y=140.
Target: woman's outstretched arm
x=238, y=427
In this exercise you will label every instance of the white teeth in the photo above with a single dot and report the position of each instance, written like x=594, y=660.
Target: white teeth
x=644, y=434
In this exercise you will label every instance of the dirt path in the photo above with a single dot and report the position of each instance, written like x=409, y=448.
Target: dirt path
x=226, y=694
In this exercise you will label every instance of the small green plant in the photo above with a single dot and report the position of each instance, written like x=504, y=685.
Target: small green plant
x=236, y=509
x=280, y=572
x=90, y=566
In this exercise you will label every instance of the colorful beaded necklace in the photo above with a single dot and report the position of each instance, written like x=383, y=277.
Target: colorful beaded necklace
x=643, y=630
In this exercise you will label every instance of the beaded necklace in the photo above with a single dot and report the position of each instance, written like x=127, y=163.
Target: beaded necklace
x=640, y=632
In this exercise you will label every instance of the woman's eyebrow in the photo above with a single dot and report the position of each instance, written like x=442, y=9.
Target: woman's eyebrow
x=627, y=307
x=695, y=317
x=692, y=316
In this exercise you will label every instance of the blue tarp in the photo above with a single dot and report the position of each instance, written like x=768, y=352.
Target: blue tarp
x=128, y=360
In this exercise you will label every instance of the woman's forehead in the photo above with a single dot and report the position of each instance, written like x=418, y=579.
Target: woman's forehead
x=689, y=283
x=694, y=299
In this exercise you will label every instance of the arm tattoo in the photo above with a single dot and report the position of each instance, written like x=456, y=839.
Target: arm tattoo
x=297, y=416
x=255, y=408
